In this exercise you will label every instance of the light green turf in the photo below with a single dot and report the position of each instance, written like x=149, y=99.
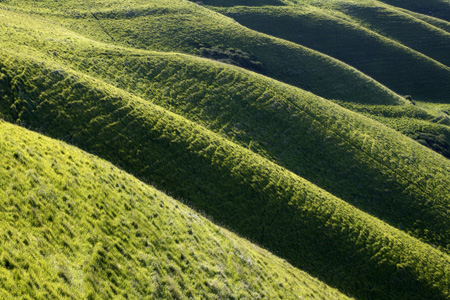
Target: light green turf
x=99, y=97
x=73, y=226
x=258, y=199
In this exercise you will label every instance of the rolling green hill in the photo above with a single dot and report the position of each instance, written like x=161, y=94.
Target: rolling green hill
x=436, y=8
x=183, y=26
x=390, y=46
x=75, y=227
x=405, y=51
x=283, y=124
x=237, y=188
x=327, y=237
x=341, y=196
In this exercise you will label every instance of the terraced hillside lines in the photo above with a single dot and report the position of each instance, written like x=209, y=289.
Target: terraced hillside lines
x=75, y=227
x=435, y=8
x=402, y=69
x=186, y=27
x=429, y=125
x=213, y=96
x=301, y=136
x=317, y=232
x=411, y=31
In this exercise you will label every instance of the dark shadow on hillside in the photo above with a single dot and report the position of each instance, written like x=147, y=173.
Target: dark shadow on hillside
x=432, y=8
x=229, y=3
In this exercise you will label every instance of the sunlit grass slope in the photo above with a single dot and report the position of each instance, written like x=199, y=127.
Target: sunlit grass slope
x=429, y=124
x=314, y=230
x=75, y=227
x=439, y=23
x=99, y=97
x=403, y=27
x=295, y=129
x=404, y=53
x=182, y=26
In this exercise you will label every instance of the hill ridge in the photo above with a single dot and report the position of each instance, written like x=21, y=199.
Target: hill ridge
x=103, y=223
x=313, y=182
x=249, y=178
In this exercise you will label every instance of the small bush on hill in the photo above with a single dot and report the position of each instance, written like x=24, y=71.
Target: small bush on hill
x=437, y=142
x=232, y=56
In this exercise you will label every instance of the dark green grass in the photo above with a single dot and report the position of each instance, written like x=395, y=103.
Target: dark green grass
x=406, y=28
x=262, y=120
x=439, y=23
x=281, y=123
x=182, y=26
x=263, y=201
x=75, y=227
x=317, y=232
x=363, y=35
x=406, y=54
x=435, y=8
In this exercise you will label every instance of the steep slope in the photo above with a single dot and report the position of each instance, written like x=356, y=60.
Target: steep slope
x=402, y=52
x=347, y=33
x=292, y=128
x=435, y=8
x=316, y=231
x=75, y=227
x=439, y=23
x=182, y=26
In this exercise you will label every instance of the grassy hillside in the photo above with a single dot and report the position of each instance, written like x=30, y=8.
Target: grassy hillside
x=374, y=38
x=401, y=26
x=75, y=227
x=183, y=26
x=311, y=181
x=439, y=23
x=402, y=52
x=435, y=8
x=271, y=120
x=281, y=123
x=327, y=237
x=428, y=125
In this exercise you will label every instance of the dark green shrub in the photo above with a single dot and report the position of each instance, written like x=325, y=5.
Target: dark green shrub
x=231, y=56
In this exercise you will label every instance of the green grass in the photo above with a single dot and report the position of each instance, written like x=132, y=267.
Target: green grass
x=436, y=8
x=327, y=237
x=211, y=95
x=228, y=3
x=307, y=179
x=405, y=51
x=426, y=123
x=406, y=54
x=76, y=227
x=183, y=26
x=444, y=25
